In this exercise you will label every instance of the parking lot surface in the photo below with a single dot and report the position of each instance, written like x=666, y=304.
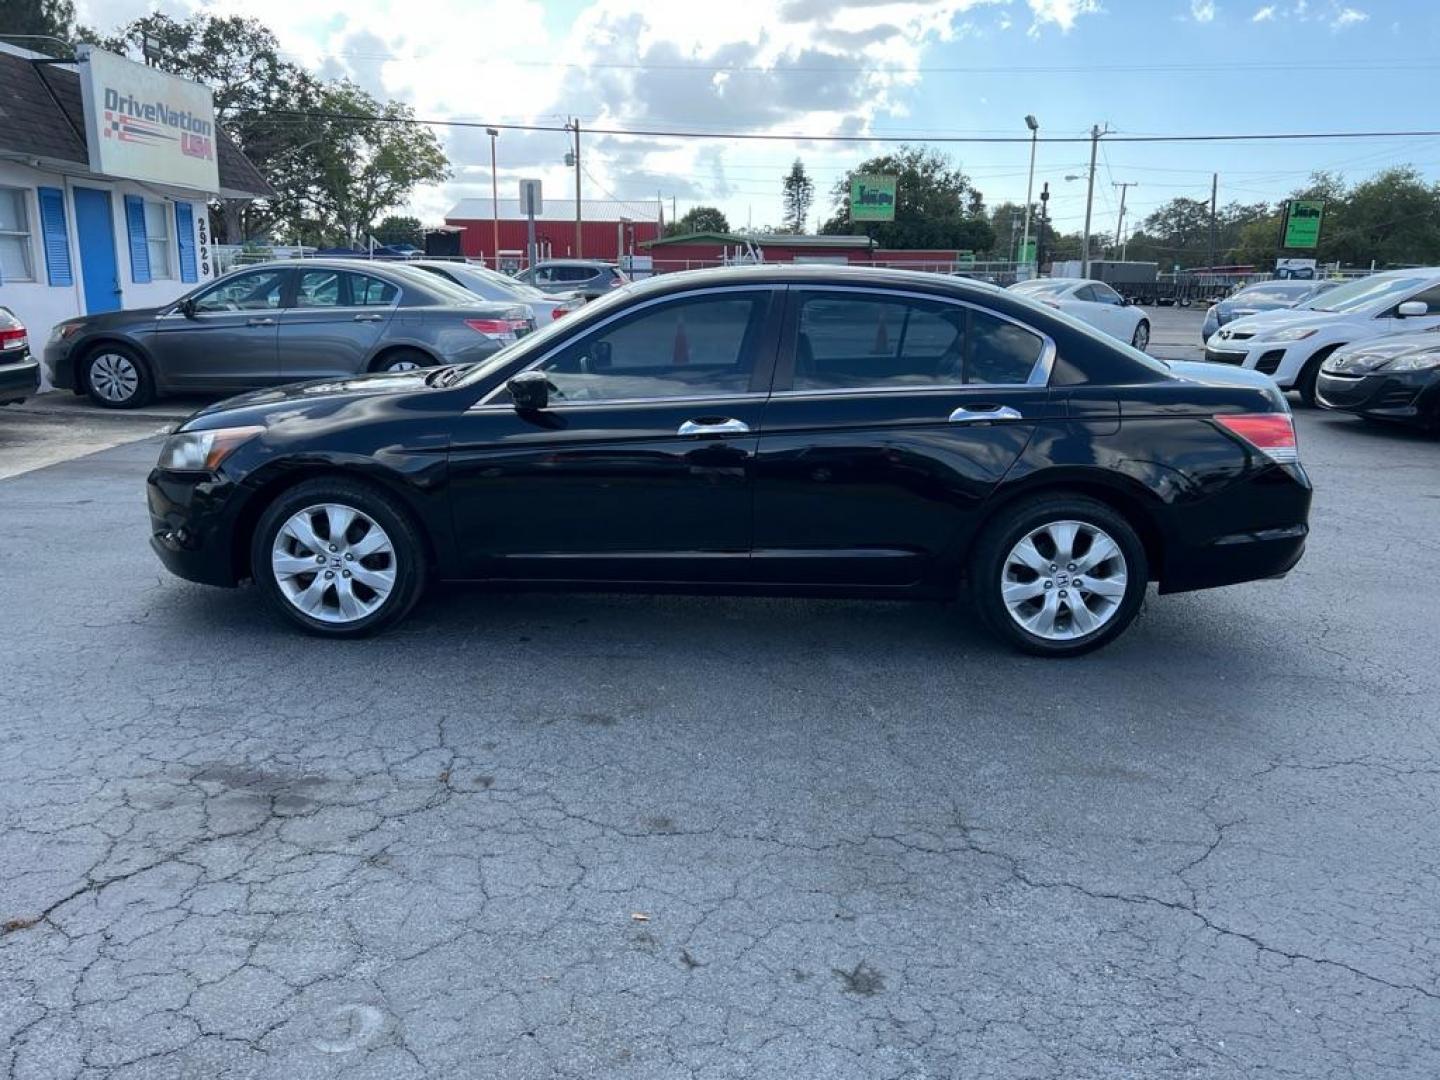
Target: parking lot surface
x=584, y=836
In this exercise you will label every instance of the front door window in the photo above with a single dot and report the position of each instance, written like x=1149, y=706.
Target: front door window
x=256, y=291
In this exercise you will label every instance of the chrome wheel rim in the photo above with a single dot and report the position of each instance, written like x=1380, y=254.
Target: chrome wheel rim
x=333, y=563
x=1064, y=580
x=114, y=377
x=403, y=365
x=1142, y=336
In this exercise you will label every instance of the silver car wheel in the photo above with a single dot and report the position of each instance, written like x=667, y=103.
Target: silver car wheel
x=114, y=377
x=1064, y=580
x=1142, y=335
x=403, y=365
x=334, y=563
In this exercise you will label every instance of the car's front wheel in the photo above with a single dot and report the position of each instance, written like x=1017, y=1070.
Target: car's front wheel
x=115, y=377
x=1141, y=337
x=338, y=558
x=403, y=360
x=1059, y=575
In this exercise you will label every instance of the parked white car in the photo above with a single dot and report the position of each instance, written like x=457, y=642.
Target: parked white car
x=1093, y=302
x=1290, y=344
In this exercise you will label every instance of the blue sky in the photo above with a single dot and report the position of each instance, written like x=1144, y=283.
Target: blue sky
x=882, y=67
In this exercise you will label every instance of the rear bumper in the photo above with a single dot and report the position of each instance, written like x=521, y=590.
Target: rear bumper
x=191, y=525
x=19, y=379
x=1411, y=397
x=1252, y=531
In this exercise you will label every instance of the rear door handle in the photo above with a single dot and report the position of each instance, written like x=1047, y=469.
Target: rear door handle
x=712, y=426
x=963, y=415
x=368, y=318
x=263, y=320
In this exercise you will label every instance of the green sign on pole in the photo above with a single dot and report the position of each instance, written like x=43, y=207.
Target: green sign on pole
x=872, y=198
x=965, y=258
x=1027, y=251
x=1302, y=223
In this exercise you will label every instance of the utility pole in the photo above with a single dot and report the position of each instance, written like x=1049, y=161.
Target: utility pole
x=1034, y=126
x=1095, y=134
x=579, y=246
x=1214, y=190
x=494, y=198
x=1124, y=185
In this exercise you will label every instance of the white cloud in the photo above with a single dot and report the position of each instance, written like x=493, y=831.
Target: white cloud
x=1264, y=14
x=1347, y=17
x=1202, y=11
x=1062, y=13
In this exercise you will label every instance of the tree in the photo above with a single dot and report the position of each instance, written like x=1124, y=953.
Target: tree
x=22, y=19
x=799, y=193
x=935, y=204
x=397, y=229
x=698, y=219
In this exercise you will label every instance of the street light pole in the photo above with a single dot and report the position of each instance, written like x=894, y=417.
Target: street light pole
x=494, y=199
x=1034, y=126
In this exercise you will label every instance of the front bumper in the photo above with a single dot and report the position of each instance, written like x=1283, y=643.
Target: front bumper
x=18, y=379
x=1411, y=397
x=1280, y=360
x=58, y=368
x=192, y=519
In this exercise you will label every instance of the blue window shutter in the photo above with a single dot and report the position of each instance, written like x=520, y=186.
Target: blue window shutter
x=139, y=252
x=185, y=236
x=56, y=234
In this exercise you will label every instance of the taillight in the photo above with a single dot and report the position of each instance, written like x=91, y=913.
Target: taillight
x=496, y=327
x=1273, y=434
x=12, y=339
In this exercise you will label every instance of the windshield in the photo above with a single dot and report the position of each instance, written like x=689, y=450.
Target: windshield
x=1356, y=295
x=446, y=288
x=1041, y=288
x=502, y=281
x=1273, y=293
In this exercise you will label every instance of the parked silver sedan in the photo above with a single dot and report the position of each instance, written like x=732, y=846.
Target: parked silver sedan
x=279, y=322
x=492, y=285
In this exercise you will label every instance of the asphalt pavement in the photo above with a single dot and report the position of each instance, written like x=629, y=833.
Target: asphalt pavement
x=595, y=836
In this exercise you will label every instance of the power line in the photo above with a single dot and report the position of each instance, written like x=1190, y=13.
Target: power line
x=800, y=137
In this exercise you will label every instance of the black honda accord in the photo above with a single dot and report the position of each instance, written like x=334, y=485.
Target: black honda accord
x=767, y=430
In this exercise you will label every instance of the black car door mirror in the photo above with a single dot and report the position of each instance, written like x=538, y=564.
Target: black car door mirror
x=187, y=307
x=530, y=391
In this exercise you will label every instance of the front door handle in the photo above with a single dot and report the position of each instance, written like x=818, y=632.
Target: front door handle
x=706, y=425
x=963, y=415
x=260, y=320
x=368, y=317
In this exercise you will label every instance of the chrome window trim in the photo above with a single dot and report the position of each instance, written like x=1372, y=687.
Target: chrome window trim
x=1039, y=373
x=630, y=310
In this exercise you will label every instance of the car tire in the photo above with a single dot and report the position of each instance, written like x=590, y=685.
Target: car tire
x=1042, y=619
x=116, y=377
x=1141, y=338
x=374, y=578
x=402, y=360
x=1310, y=374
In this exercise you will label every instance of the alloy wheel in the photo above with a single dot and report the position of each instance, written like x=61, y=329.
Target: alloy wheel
x=334, y=563
x=1142, y=336
x=1064, y=580
x=114, y=377
x=403, y=365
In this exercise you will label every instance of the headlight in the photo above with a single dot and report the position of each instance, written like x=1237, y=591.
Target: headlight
x=203, y=451
x=64, y=331
x=1295, y=334
x=1420, y=361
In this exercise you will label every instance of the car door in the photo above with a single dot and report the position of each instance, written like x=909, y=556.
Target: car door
x=1119, y=319
x=334, y=323
x=640, y=468
x=227, y=339
x=1082, y=302
x=893, y=418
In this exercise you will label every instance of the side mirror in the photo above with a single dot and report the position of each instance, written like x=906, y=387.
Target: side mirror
x=529, y=391
x=187, y=307
x=1412, y=309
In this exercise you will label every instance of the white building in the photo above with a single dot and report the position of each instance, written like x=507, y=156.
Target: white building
x=78, y=240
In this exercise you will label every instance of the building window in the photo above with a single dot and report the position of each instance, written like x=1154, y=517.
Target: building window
x=157, y=241
x=16, y=262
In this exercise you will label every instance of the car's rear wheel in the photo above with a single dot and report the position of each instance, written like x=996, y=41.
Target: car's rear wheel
x=338, y=558
x=1141, y=338
x=1059, y=575
x=403, y=360
x=115, y=377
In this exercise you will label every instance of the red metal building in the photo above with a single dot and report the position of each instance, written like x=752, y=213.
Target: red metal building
x=608, y=229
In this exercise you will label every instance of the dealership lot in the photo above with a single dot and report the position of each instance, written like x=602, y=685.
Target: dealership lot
x=546, y=835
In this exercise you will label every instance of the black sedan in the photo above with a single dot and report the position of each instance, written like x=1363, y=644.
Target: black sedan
x=19, y=370
x=279, y=322
x=1394, y=378
x=800, y=430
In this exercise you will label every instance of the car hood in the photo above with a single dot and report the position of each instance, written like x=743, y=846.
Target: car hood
x=1283, y=318
x=112, y=320
x=319, y=397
